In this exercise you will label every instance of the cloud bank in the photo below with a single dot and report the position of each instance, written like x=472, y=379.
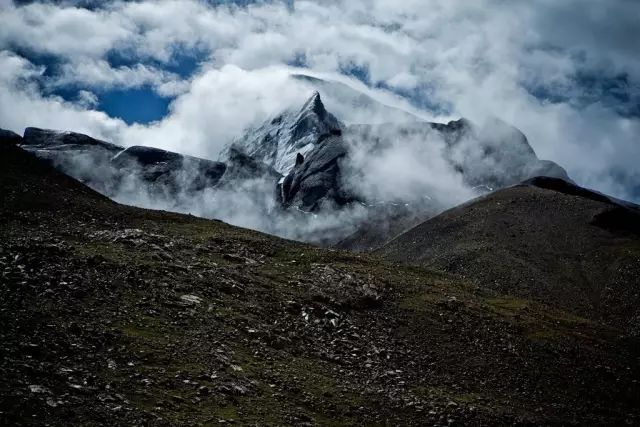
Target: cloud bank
x=567, y=74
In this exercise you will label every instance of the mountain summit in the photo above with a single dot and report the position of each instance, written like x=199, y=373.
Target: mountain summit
x=278, y=141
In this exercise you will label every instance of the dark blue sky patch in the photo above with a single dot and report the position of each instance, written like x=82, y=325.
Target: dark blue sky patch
x=422, y=97
x=133, y=105
x=544, y=93
x=50, y=62
x=141, y=105
x=615, y=92
x=184, y=61
x=359, y=71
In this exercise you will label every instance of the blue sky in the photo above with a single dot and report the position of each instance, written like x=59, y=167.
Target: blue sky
x=142, y=104
x=189, y=75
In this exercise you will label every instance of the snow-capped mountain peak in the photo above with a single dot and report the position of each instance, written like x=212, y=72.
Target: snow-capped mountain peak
x=278, y=141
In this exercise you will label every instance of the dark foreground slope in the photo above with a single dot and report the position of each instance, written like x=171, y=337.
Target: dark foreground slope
x=546, y=240
x=121, y=316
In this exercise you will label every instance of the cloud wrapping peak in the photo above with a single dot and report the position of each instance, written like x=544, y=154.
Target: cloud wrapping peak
x=525, y=62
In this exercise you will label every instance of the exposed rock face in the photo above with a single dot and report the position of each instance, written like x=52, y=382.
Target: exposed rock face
x=111, y=169
x=487, y=158
x=278, y=141
x=495, y=155
x=151, y=177
x=55, y=143
x=316, y=178
x=244, y=174
x=9, y=137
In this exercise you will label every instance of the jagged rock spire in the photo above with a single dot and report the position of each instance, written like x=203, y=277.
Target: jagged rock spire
x=314, y=104
x=278, y=141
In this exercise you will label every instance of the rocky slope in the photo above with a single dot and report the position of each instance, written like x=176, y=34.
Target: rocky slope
x=114, y=315
x=546, y=240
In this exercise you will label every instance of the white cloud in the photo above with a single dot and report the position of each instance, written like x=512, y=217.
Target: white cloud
x=100, y=74
x=219, y=105
x=22, y=104
x=64, y=31
x=87, y=99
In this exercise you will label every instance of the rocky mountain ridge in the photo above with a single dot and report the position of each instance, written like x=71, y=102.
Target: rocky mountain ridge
x=302, y=161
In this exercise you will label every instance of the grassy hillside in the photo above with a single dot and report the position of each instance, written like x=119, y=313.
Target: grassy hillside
x=122, y=316
x=552, y=242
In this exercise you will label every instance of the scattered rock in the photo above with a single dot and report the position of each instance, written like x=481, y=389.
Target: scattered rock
x=191, y=299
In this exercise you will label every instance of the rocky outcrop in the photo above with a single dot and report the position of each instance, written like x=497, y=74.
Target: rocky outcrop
x=242, y=167
x=83, y=157
x=110, y=168
x=52, y=143
x=8, y=137
x=494, y=155
x=173, y=171
x=487, y=158
x=307, y=160
x=315, y=179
